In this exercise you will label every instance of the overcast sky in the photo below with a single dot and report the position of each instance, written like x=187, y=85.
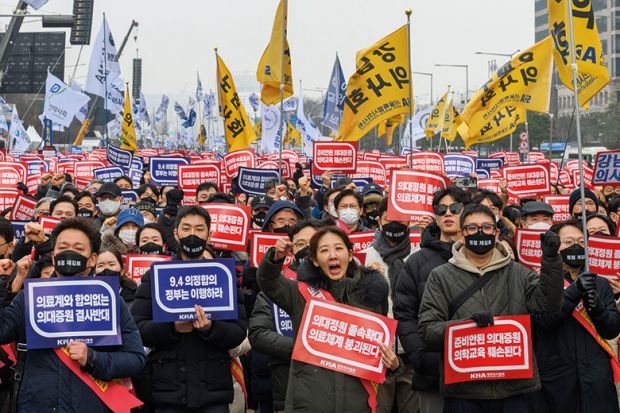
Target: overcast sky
x=176, y=38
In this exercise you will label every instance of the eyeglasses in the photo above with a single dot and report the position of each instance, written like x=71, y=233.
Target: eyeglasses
x=472, y=229
x=300, y=244
x=454, y=208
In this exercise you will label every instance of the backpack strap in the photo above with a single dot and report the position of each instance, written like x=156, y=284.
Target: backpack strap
x=469, y=292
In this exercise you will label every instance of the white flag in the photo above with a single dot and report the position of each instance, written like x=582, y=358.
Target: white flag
x=116, y=96
x=61, y=102
x=56, y=127
x=419, y=123
x=36, y=4
x=270, y=140
x=309, y=132
x=83, y=112
x=3, y=124
x=18, y=135
x=103, y=68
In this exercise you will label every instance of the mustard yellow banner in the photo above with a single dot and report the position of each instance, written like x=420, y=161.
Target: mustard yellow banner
x=269, y=71
x=592, y=68
x=503, y=123
x=435, y=119
x=237, y=127
x=379, y=89
x=451, y=122
x=525, y=82
x=128, y=132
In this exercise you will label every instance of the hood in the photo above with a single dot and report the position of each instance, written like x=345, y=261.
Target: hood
x=277, y=207
x=111, y=241
x=430, y=239
x=500, y=259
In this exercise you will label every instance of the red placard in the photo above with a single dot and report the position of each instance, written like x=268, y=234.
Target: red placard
x=559, y=203
x=286, y=167
x=528, y=180
x=32, y=182
x=290, y=155
x=23, y=209
x=361, y=240
x=369, y=156
x=339, y=157
x=529, y=251
x=489, y=184
x=48, y=223
x=8, y=197
x=234, y=160
x=565, y=179
x=393, y=162
x=343, y=338
x=229, y=226
x=372, y=169
x=411, y=193
x=84, y=169
x=534, y=157
x=512, y=158
x=416, y=239
x=138, y=264
x=66, y=167
x=190, y=176
x=427, y=161
x=20, y=168
x=9, y=177
x=604, y=255
x=588, y=174
x=261, y=242
x=498, y=352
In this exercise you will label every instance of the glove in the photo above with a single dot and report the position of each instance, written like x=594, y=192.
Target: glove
x=586, y=284
x=550, y=244
x=483, y=319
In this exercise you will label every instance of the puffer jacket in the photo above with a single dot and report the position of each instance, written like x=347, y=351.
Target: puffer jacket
x=312, y=388
x=407, y=298
x=514, y=290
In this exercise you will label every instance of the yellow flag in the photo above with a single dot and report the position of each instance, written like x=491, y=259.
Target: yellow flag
x=435, y=119
x=292, y=134
x=237, y=127
x=451, y=122
x=591, y=65
x=525, y=82
x=379, y=89
x=503, y=123
x=202, y=136
x=269, y=72
x=128, y=132
x=387, y=128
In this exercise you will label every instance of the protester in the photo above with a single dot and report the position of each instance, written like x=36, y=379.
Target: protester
x=124, y=182
x=537, y=215
x=204, y=191
x=150, y=239
x=63, y=207
x=110, y=263
x=260, y=205
x=349, y=205
x=42, y=207
x=597, y=224
x=86, y=205
x=574, y=202
x=148, y=211
x=109, y=205
x=123, y=238
x=148, y=193
x=373, y=195
x=281, y=217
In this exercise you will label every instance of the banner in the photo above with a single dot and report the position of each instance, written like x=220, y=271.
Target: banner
x=379, y=89
x=59, y=310
x=235, y=160
x=164, y=170
x=498, y=352
x=528, y=180
x=252, y=181
x=607, y=168
x=604, y=256
x=190, y=176
x=459, y=165
x=344, y=339
x=178, y=286
x=23, y=208
x=559, y=203
x=411, y=194
x=138, y=264
x=120, y=157
x=261, y=242
x=339, y=157
x=229, y=226
x=529, y=252
x=108, y=174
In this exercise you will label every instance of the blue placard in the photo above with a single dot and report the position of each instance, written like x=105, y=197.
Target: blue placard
x=135, y=177
x=76, y=150
x=62, y=309
x=459, y=165
x=164, y=169
x=607, y=168
x=108, y=174
x=128, y=197
x=119, y=157
x=252, y=181
x=483, y=173
x=282, y=321
x=19, y=228
x=48, y=139
x=360, y=183
x=177, y=286
x=137, y=163
x=489, y=163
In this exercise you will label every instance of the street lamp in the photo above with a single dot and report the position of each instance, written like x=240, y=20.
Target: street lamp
x=466, y=77
x=500, y=54
x=431, y=76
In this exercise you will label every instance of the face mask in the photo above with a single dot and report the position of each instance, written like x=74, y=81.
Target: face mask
x=601, y=234
x=349, y=216
x=151, y=248
x=128, y=236
x=574, y=256
x=259, y=219
x=85, y=213
x=480, y=243
x=333, y=212
x=109, y=207
x=68, y=263
x=372, y=217
x=395, y=231
x=282, y=230
x=302, y=254
x=539, y=225
x=192, y=246
x=148, y=221
x=108, y=272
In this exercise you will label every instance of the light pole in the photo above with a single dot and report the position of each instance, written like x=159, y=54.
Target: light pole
x=466, y=77
x=431, y=76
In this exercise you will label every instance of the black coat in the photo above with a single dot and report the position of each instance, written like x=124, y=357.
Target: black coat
x=407, y=298
x=575, y=372
x=188, y=370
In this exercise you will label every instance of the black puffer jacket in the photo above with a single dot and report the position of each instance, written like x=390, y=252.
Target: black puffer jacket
x=407, y=298
x=187, y=370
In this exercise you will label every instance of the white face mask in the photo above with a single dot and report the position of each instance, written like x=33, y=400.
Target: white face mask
x=128, y=236
x=148, y=221
x=349, y=216
x=333, y=212
x=539, y=225
x=109, y=207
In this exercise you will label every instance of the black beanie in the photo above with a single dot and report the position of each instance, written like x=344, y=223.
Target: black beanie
x=575, y=196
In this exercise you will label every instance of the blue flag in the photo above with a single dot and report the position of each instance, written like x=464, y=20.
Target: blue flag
x=333, y=107
x=191, y=119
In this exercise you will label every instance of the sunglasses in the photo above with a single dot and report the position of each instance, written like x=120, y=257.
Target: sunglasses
x=454, y=208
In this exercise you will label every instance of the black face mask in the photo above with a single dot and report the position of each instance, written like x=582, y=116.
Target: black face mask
x=108, y=272
x=192, y=246
x=480, y=243
x=151, y=248
x=302, y=254
x=282, y=230
x=69, y=263
x=259, y=219
x=372, y=217
x=601, y=234
x=574, y=256
x=395, y=231
x=85, y=213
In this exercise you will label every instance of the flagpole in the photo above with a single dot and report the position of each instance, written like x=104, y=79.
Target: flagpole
x=451, y=121
x=105, y=83
x=582, y=189
x=443, y=122
x=408, y=13
x=284, y=17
